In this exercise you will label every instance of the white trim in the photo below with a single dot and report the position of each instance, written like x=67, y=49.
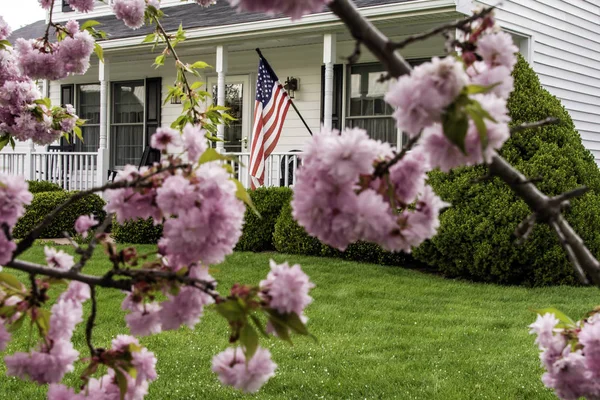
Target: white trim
x=324, y=20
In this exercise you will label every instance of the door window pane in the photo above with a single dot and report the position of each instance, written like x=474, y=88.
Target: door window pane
x=234, y=100
x=127, y=128
x=89, y=109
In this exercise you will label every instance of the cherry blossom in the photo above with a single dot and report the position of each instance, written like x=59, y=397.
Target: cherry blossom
x=58, y=259
x=232, y=369
x=286, y=288
x=131, y=12
x=84, y=223
x=294, y=8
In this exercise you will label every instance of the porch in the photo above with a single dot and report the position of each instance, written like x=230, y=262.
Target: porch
x=122, y=98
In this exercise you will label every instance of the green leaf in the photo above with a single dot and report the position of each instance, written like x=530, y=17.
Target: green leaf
x=231, y=310
x=4, y=140
x=296, y=324
x=196, y=85
x=199, y=65
x=456, y=124
x=151, y=37
x=159, y=60
x=88, y=24
x=259, y=325
x=4, y=43
x=10, y=281
x=283, y=332
x=121, y=382
x=244, y=196
x=562, y=317
x=43, y=321
x=213, y=155
x=477, y=89
x=249, y=339
x=15, y=326
x=99, y=51
x=481, y=127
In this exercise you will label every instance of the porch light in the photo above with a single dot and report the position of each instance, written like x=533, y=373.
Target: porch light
x=291, y=86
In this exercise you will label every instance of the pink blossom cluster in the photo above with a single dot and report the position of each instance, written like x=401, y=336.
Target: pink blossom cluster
x=184, y=308
x=14, y=196
x=83, y=6
x=125, y=354
x=423, y=97
x=248, y=376
x=286, y=288
x=84, y=223
x=5, y=30
x=337, y=200
x=20, y=114
x=56, y=354
x=206, y=3
x=38, y=59
x=293, y=8
x=571, y=357
x=202, y=216
x=131, y=12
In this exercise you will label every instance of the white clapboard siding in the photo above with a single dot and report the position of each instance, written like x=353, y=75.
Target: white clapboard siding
x=565, y=54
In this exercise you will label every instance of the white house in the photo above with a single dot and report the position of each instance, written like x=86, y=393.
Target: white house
x=122, y=97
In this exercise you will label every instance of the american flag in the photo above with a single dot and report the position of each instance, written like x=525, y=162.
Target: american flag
x=272, y=104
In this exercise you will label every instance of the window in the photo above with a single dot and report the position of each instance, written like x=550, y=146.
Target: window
x=66, y=7
x=366, y=107
x=127, y=128
x=88, y=108
x=136, y=112
x=86, y=99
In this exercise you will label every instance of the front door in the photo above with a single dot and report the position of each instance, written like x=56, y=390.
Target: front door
x=237, y=99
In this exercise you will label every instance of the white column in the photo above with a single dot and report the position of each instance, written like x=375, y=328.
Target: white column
x=221, y=74
x=103, y=154
x=329, y=56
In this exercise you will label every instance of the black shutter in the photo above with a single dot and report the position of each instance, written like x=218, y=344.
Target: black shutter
x=153, y=106
x=338, y=80
x=66, y=7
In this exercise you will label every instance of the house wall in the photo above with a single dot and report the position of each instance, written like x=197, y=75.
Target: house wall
x=565, y=53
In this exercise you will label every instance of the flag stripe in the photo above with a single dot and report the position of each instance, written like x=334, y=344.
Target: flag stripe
x=272, y=105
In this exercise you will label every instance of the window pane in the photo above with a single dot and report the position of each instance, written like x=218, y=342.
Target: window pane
x=127, y=147
x=234, y=100
x=128, y=101
x=89, y=103
x=383, y=129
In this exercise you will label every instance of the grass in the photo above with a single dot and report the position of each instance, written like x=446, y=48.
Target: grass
x=383, y=333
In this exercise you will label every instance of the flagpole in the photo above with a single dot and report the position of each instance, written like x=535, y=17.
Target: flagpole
x=291, y=101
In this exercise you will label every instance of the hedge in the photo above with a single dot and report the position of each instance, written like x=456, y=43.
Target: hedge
x=140, y=231
x=291, y=238
x=476, y=239
x=257, y=234
x=44, y=202
x=43, y=186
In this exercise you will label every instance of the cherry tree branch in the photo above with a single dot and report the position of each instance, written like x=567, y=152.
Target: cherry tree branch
x=89, y=327
x=545, y=208
x=534, y=125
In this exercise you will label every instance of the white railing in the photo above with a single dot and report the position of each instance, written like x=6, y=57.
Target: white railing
x=71, y=171
x=13, y=163
x=280, y=168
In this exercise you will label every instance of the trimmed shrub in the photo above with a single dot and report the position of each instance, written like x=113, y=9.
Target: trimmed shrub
x=476, y=237
x=140, y=231
x=291, y=238
x=43, y=186
x=257, y=234
x=44, y=202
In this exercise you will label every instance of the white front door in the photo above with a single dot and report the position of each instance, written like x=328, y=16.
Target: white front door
x=238, y=100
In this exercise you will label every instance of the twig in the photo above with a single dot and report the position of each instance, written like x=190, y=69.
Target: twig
x=87, y=253
x=570, y=254
x=534, y=125
x=459, y=24
x=89, y=327
x=385, y=167
x=355, y=56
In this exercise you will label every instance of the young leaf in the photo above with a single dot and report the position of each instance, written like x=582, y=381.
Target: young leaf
x=258, y=325
x=121, y=382
x=456, y=124
x=558, y=314
x=480, y=125
x=476, y=89
x=243, y=195
x=43, y=321
x=4, y=141
x=199, y=65
x=296, y=324
x=10, y=281
x=213, y=155
x=249, y=339
x=99, y=52
x=159, y=60
x=231, y=310
x=149, y=38
x=88, y=24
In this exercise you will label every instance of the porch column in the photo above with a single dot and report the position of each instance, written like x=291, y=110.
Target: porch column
x=221, y=73
x=103, y=153
x=329, y=56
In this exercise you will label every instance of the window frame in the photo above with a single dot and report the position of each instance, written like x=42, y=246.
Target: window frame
x=113, y=124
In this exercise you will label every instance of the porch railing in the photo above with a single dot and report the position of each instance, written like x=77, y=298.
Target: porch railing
x=82, y=171
x=71, y=171
x=280, y=168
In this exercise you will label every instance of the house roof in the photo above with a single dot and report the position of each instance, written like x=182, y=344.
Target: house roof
x=189, y=15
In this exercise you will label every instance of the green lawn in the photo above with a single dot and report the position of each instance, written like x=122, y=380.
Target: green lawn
x=383, y=333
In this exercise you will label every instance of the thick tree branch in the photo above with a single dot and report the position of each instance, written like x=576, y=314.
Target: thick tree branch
x=534, y=125
x=545, y=208
x=89, y=327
